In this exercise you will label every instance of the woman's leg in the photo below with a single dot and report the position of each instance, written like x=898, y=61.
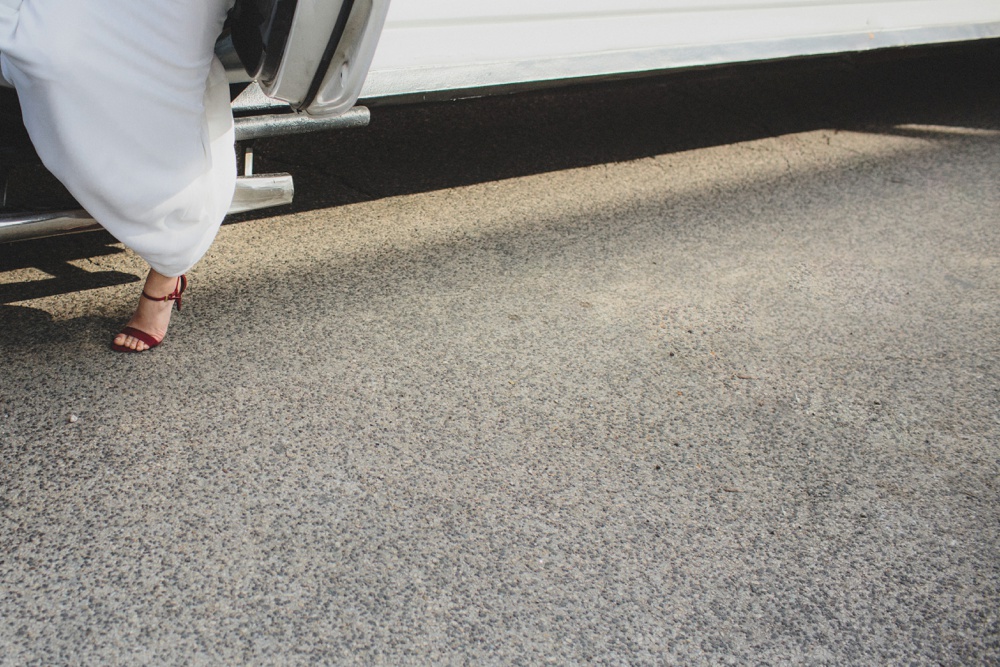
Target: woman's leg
x=128, y=107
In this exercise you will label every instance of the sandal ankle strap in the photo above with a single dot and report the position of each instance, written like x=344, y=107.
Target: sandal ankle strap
x=174, y=296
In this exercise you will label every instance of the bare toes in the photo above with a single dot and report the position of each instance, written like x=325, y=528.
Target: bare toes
x=130, y=342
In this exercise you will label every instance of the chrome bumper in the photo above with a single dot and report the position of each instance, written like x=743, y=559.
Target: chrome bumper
x=252, y=193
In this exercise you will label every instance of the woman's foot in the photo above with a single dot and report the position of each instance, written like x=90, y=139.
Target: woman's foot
x=149, y=324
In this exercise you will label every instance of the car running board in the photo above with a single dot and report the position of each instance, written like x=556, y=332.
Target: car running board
x=252, y=193
x=281, y=124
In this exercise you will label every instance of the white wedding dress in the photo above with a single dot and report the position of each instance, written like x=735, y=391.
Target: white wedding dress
x=127, y=105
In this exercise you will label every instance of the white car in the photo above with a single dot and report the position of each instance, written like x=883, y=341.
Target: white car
x=301, y=65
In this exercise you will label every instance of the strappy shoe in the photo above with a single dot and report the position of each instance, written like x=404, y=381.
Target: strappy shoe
x=146, y=338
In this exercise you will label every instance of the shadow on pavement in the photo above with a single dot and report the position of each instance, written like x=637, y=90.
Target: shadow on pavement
x=54, y=257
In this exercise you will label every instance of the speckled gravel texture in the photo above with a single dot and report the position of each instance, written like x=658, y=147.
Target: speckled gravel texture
x=702, y=369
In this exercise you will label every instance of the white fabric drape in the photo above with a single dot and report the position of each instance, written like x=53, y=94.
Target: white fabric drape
x=127, y=105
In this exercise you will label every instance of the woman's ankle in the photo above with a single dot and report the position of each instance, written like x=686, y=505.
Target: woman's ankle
x=157, y=283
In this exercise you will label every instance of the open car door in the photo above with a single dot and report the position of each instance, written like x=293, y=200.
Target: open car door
x=312, y=54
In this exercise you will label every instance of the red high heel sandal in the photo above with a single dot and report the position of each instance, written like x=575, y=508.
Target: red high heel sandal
x=174, y=296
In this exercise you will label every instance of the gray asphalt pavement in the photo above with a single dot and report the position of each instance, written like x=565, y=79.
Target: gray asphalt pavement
x=701, y=369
